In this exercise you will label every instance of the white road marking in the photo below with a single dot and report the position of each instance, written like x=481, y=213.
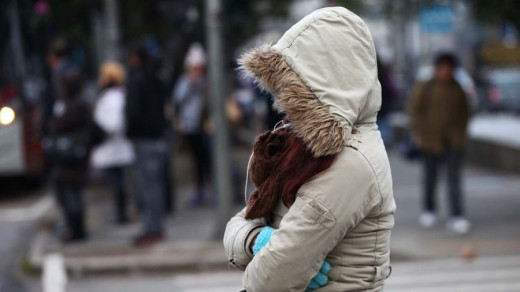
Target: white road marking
x=54, y=276
x=30, y=213
x=482, y=274
x=447, y=275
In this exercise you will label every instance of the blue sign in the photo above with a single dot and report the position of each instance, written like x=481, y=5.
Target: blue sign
x=437, y=19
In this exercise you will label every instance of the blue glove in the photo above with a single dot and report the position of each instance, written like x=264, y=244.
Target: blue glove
x=262, y=239
x=321, y=278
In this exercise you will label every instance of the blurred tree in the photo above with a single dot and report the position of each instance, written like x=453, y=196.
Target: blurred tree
x=498, y=11
x=243, y=18
x=174, y=24
x=71, y=19
x=354, y=5
x=142, y=18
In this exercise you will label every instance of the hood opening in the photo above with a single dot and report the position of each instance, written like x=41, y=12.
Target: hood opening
x=321, y=131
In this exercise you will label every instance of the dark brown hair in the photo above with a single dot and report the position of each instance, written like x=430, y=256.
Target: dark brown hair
x=281, y=164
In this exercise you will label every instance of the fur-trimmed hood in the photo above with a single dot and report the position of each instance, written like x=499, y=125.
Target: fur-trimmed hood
x=323, y=75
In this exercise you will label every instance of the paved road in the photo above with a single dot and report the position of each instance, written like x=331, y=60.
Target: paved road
x=493, y=201
x=484, y=274
x=492, y=204
x=203, y=282
x=19, y=207
x=423, y=260
x=13, y=238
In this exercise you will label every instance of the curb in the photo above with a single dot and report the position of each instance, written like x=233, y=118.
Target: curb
x=480, y=151
x=493, y=155
x=161, y=258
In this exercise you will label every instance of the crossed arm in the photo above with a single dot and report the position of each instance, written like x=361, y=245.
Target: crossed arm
x=312, y=227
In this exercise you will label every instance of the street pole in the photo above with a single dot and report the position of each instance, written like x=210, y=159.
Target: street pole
x=16, y=41
x=400, y=11
x=112, y=31
x=217, y=91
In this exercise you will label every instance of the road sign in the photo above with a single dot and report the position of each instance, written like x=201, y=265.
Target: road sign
x=437, y=19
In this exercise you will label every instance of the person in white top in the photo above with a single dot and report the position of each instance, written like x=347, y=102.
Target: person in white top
x=115, y=152
x=189, y=98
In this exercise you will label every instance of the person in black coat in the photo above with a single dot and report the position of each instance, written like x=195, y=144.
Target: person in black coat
x=146, y=127
x=70, y=124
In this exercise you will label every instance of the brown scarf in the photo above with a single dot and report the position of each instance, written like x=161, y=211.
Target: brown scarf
x=281, y=164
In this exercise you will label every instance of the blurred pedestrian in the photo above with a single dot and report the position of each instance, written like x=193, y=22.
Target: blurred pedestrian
x=189, y=99
x=115, y=152
x=388, y=97
x=241, y=105
x=67, y=147
x=58, y=63
x=439, y=114
x=145, y=126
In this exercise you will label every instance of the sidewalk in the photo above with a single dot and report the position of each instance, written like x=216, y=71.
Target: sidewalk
x=492, y=204
x=191, y=244
x=493, y=201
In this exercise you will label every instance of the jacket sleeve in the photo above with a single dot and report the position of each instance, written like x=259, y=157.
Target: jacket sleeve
x=133, y=103
x=326, y=208
x=414, y=107
x=180, y=91
x=463, y=110
x=238, y=237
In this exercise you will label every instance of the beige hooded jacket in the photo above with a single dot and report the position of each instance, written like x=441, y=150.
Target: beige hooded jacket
x=324, y=77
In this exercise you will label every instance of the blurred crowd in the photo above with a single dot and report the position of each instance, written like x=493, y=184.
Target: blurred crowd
x=135, y=119
x=142, y=109
x=127, y=133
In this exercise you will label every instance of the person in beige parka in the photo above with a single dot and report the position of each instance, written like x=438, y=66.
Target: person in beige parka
x=323, y=74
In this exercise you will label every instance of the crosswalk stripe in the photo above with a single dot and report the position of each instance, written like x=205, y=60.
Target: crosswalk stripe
x=458, y=276
x=498, y=286
x=484, y=274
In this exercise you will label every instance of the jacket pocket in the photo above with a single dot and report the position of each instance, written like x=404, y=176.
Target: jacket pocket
x=316, y=211
x=380, y=274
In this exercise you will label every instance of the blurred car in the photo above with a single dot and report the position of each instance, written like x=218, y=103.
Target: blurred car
x=20, y=148
x=501, y=89
x=21, y=85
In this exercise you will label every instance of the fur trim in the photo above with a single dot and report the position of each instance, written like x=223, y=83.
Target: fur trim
x=321, y=131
